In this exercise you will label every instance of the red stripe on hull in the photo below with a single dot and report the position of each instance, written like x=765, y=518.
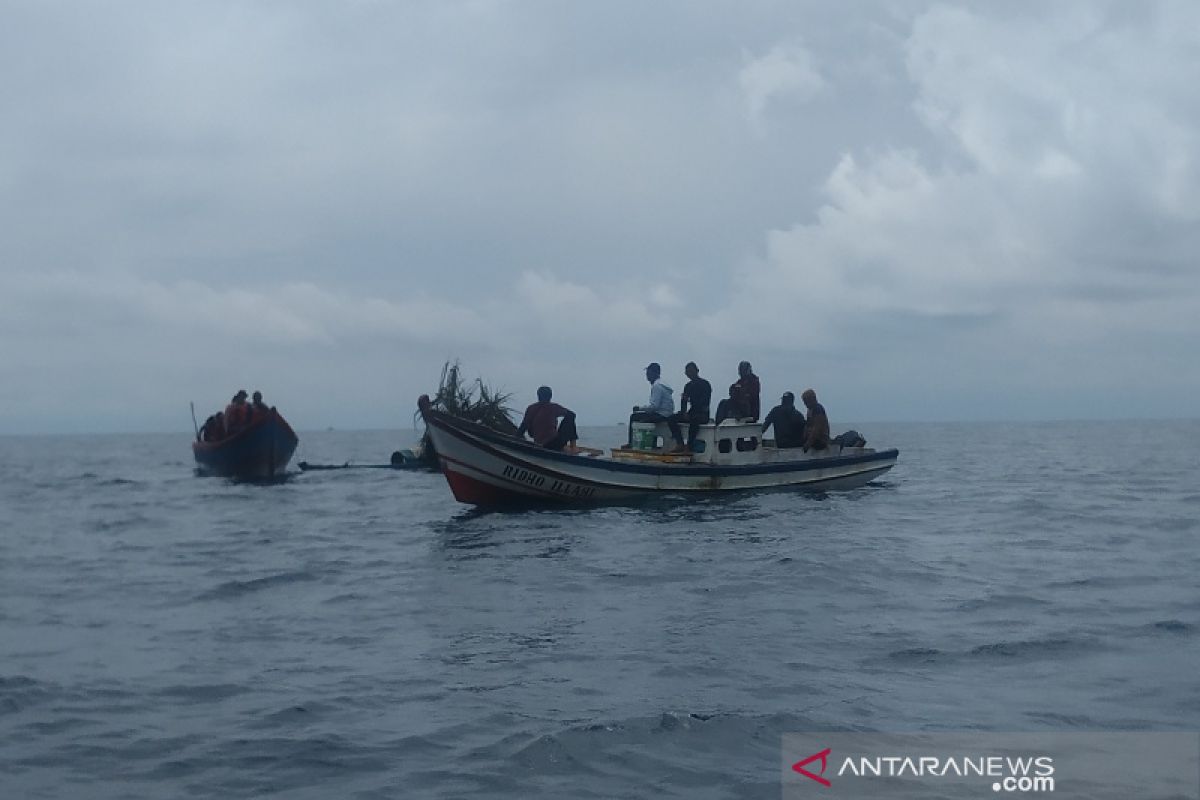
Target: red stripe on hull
x=474, y=492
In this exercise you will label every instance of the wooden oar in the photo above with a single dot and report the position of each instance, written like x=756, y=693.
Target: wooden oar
x=194, y=425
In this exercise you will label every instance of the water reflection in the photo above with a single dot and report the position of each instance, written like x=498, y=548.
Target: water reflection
x=547, y=540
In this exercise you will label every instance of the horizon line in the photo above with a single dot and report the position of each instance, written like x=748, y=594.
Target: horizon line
x=332, y=429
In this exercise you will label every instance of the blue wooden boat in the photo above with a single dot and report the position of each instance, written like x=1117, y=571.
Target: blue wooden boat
x=260, y=451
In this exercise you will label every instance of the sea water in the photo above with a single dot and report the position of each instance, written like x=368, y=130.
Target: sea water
x=357, y=633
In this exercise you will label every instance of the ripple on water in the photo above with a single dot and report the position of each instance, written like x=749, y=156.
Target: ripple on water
x=1001, y=602
x=19, y=692
x=1056, y=647
x=919, y=655
x=201, y=693
x=237, y=588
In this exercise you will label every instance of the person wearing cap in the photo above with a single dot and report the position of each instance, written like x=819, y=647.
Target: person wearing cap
x=693, y=408
x=661, y=405
x=816, y=430
x=541, y=422
x=743, y=402
x=788, y=421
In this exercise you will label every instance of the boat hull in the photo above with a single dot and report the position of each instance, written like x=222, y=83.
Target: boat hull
x=486, y=468
x=260, y=451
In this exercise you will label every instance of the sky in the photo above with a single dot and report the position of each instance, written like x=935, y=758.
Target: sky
x=924, y=211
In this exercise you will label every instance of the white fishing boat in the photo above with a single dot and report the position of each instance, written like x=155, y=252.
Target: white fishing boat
x=487, y=468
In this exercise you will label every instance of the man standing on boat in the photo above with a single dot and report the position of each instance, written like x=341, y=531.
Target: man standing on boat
x=661, y=405
x=816, y=435
x=743, y=402
x=693, y=408
x=541, y=422
x=788, y=421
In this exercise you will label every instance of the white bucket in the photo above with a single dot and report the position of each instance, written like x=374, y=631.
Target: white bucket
x=643, y=437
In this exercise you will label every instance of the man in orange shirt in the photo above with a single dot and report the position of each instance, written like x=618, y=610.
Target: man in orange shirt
x=258, y=409
x=237, y=413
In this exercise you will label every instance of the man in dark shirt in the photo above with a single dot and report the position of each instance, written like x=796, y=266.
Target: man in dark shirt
x=213, y=429
x=693, y=408
x=788, y=421
x=816, y=430
x=541, y=422
x=743, y=399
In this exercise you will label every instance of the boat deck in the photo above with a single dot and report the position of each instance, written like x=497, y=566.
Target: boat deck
x=732, y=443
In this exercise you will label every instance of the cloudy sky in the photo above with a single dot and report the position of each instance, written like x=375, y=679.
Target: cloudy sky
x=926, y=211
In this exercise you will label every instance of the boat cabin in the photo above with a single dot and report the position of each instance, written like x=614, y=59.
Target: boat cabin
x=731, y=442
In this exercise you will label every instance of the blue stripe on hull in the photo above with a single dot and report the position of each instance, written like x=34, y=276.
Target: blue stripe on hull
x=520, y=493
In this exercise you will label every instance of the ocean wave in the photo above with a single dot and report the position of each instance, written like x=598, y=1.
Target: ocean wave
x=918, y=655
x=293, y=716
x=232, y=589
x=1103, y=582
x=1050, y=647
x=19, y=692
x=201, y=693
x=1001, y=601
x=672, y=754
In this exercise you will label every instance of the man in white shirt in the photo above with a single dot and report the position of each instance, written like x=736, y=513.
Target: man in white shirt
x=661, y=405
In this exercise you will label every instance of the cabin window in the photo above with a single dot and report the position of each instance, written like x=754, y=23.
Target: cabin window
x=725, y=445
x=746, y=444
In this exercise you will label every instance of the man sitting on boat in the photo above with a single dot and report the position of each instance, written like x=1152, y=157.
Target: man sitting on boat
x=788, y=421
x=541, y=422
x=743, y=402
x=693, y=408
x=237, y=413
x=816, y=436
x=661, y=405
x=213, y=429
x=258, y=409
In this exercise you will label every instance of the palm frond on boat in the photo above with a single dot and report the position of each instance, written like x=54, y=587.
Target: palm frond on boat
x=474, y=401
